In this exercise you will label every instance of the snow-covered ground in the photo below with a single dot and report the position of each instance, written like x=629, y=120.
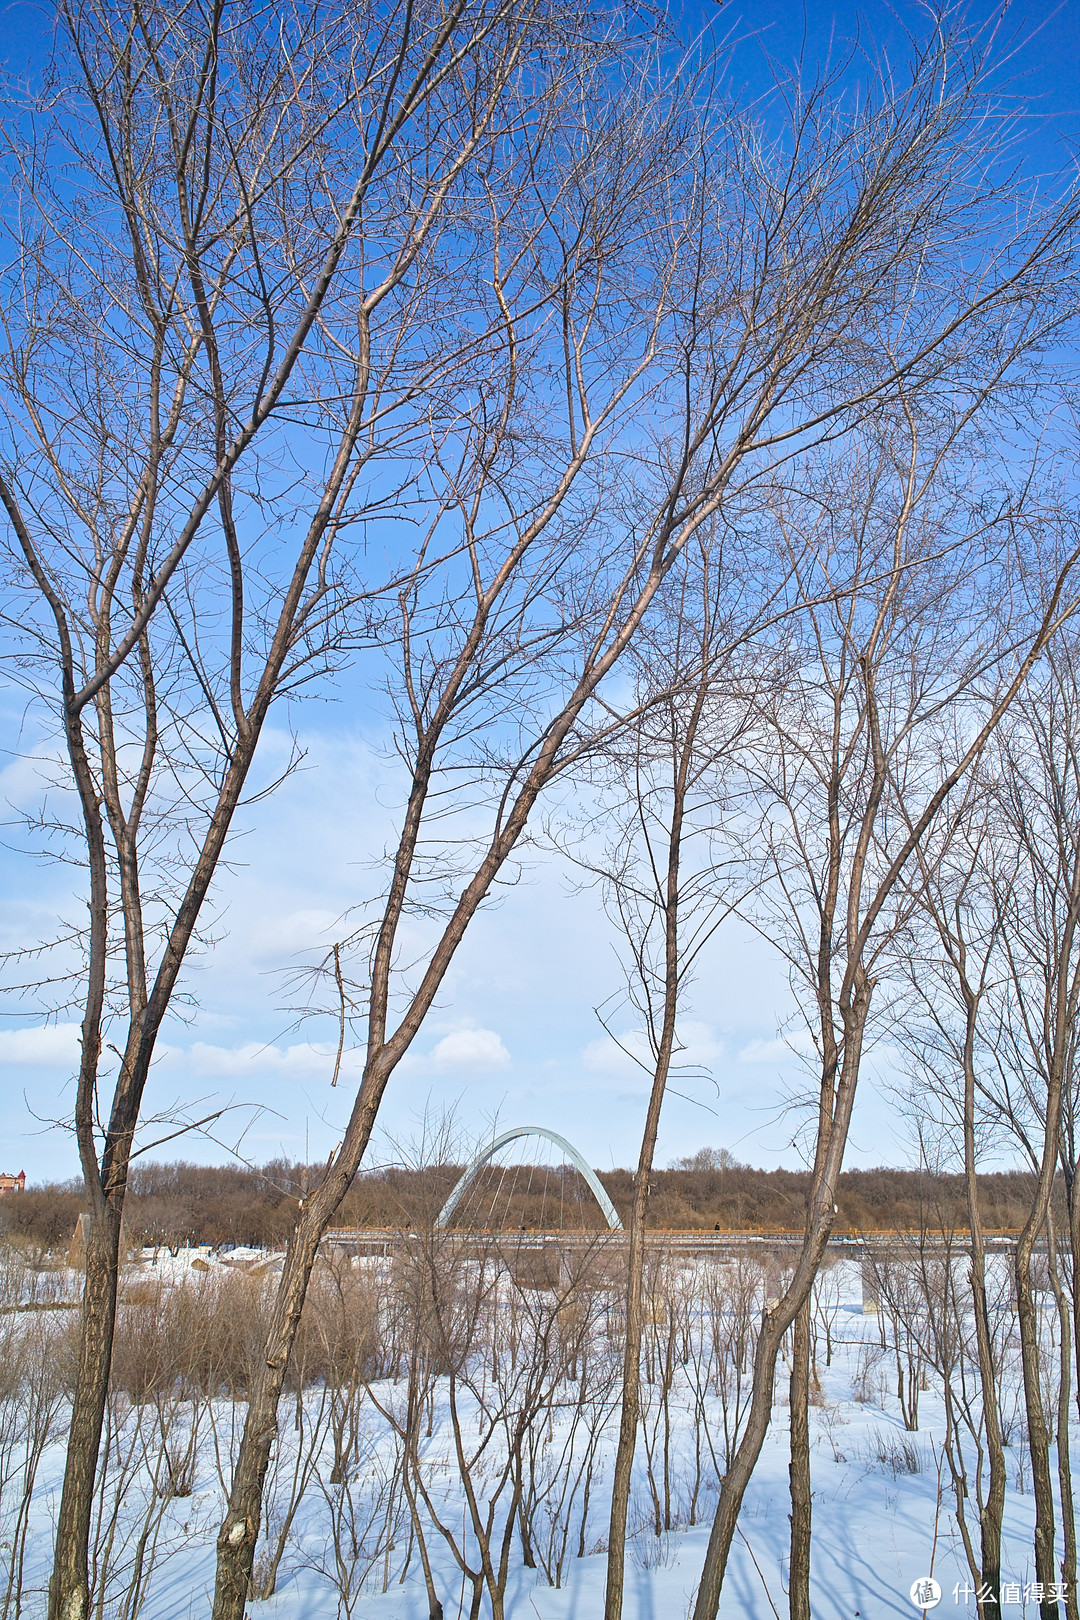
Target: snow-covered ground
x=883, y=1501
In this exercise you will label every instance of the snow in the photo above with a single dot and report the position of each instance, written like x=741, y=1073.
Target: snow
x=875, y=1532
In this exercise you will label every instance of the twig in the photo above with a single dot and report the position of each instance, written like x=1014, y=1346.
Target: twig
x=757, y=1566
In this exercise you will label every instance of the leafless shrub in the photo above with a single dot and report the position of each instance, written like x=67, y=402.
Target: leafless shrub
x=35, y=1371
x=650, y=1546
x=264, y=1573
x=899, y=1453
x=866, y=1386
x=367, y=1511
x=204, y=1333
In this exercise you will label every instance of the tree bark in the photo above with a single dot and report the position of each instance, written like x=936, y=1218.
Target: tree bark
x=69, y=1586
x=630, y=1409
x=837, y=1100
x=240, y=1531
x=799, y=1469
x=1065, y=989
x=990, y=1519
x=1064, y=1405
x=1038, y=1433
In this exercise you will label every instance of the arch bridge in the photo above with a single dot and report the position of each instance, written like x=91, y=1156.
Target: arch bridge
x=479, y=1160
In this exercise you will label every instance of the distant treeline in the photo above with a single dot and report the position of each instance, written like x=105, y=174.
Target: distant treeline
x=180, y=1204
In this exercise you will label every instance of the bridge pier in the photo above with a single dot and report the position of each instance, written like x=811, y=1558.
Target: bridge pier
x=871, y=1292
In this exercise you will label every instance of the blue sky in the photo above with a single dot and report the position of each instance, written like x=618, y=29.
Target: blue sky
x=515, y=1037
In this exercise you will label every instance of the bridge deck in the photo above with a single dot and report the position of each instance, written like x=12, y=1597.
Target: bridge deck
x=371, y=1240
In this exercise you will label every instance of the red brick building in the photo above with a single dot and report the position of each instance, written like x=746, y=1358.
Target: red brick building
x=12, y=1183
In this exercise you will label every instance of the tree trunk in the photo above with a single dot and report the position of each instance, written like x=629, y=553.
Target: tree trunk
x=740, y=1469
x=69, y=1586
x=993, y=1509
x=1038, y=1435
x=836, y=1105
x=799, y=1469
x=630, y=1410
x=1064, y=1404
x=408, y=1461
x=240, y=1531
x=1073, y=1196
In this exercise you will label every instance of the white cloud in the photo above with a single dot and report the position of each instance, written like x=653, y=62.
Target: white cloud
x=304, y=1061
x=45, y=1046
x=700, y=1046
x=29, y=774
x=475, y=1048
x=698, y=1049
x=607, y=1056
x=784, y=1049
x=278, y=938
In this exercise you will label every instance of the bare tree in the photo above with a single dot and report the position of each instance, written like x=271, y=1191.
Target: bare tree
x=662, y=887
x=1042, y=948
x=245, y=279
x=367, y=242
x=857, y=757
x=1029, y=1018
x=731, y=383
x=962, y=887
x=865, y=204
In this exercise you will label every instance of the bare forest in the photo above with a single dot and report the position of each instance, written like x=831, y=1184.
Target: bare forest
x=663, y=450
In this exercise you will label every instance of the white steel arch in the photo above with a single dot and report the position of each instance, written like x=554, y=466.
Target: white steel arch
x=477, y=1163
